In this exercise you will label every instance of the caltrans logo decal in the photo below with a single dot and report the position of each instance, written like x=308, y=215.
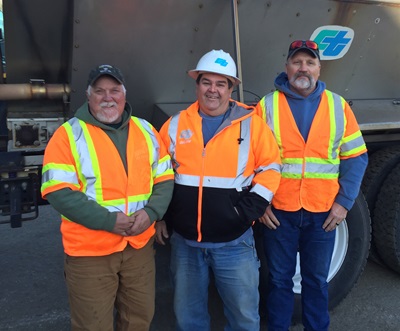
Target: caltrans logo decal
x=334, y=41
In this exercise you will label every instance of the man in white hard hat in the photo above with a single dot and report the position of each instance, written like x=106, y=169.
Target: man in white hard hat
x=227, y=169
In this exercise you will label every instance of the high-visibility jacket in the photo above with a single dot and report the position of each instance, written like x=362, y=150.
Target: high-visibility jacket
x=81, y=156
x=310, y=170
x=241, y=161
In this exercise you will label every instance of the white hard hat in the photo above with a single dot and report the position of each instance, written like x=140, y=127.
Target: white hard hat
x=218, y=62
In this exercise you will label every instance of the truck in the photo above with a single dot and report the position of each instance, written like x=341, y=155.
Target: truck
x=49, y=47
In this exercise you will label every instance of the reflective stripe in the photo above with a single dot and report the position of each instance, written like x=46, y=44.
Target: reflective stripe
x=55, y=173
x=269, y=116
x=337, y=122
x=113, y=206
x=273, y=117
x=244, y=147
x=313, y=168
x=85, y=158
x=164, y=167
x=173, y=132
x=215, y=182
x=151, y=140
x=318, y=170
x=352, y=144
x=160, y=167
x=187, y=180
x=292, y=170
x=263, y=113
x=262, y=191
x=271, y=166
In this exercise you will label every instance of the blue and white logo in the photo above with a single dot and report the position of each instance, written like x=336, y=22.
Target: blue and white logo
x=221, y=62
x=333, y=40
x=186, y=134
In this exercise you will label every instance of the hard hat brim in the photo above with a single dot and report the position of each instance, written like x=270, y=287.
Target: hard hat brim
x=195, y=73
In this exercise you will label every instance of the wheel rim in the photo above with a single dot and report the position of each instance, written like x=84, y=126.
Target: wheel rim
x=338, y=256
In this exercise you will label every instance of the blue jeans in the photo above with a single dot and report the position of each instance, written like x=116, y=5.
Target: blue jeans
x=236, y=276
x=302, y=232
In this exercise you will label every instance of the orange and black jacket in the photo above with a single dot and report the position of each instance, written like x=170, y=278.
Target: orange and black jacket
x=223, y=187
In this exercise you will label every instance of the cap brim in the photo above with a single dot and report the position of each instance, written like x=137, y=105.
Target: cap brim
x=105, y=74
x=306, y=49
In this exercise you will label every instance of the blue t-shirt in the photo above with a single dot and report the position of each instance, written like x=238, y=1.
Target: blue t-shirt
x=211, y=124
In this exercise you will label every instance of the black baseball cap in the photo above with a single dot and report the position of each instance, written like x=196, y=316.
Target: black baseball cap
x=105, y=69
x=307, y=45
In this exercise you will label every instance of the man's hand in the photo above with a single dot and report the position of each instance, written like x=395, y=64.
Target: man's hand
x=335, y=217
x=141, y=222
x=161, y=232
x=123, y=224
x=269, y=219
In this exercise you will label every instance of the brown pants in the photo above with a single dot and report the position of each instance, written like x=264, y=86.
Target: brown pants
x=124, y=281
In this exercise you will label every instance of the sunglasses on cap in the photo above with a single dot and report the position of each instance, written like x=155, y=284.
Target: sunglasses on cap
x=301, y=43
x=298, y=45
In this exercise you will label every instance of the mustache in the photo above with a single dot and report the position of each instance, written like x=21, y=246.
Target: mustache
x=108, y=104
x=297, y=75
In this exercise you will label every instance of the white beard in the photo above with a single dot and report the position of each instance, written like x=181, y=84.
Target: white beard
x=303, y=82
x=109, y=112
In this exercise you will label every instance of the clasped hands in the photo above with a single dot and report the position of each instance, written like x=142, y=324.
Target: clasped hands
x=132, y=225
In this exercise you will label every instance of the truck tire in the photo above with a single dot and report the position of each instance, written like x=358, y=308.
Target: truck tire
x=349, y=258
x=387, y=221
x=380, y=164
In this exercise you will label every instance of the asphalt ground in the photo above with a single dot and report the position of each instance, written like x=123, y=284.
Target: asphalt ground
x=33, y=294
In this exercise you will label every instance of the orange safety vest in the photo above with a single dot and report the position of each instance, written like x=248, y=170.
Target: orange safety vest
x=310, y=170
x=82, y=157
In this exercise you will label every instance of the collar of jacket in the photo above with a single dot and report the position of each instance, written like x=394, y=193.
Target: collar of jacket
x=239, y=111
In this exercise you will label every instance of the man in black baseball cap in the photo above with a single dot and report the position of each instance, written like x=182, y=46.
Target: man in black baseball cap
x=323, y=163
x=105, y=69
x=101, y=171
x=105, y=104
x=307, y=45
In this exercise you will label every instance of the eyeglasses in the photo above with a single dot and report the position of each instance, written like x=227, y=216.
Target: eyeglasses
x=300, y=43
